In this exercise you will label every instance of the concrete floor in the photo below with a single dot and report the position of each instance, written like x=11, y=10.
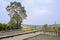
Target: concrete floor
x=43, y=37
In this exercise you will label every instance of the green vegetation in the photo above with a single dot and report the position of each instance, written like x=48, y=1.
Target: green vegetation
x=17, y=13
x=32, y=29
x=54, y=27
x=3, y=27
x=45, y=26
x=6, y=27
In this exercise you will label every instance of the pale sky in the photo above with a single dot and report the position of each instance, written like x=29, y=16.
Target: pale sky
x=38, y=11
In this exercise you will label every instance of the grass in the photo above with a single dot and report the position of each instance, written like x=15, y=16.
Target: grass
x=29, y=29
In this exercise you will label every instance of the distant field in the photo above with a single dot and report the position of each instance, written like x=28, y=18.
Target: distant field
x=27, y=29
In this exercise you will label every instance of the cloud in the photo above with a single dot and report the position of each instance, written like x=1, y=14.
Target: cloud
x=39, y=1
x=47, y=1
x=41, y=12
x=3, y=3
x=38, y=11
x=3, y=12
x=29, y=1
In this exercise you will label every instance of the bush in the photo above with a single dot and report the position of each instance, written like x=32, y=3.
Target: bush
x=3, y=27
x=6, y=27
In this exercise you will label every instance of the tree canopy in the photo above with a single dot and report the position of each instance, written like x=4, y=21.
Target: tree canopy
x=16, y=12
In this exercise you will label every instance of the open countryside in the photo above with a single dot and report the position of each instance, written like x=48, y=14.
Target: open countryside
x=29, y=20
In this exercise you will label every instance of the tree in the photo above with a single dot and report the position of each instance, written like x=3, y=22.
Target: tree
x=45, y=26
x=17, y=13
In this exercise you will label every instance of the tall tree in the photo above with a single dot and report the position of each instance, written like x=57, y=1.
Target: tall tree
x=17, y=13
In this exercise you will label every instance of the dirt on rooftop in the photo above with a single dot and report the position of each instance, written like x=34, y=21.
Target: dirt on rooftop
x=43, y=37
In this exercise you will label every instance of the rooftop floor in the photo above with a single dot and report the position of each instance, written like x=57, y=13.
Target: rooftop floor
x=43, y=37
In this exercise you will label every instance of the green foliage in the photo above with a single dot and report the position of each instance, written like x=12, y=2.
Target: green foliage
x=45, y=26
x=16, y=16
x=0, y=26
x=33, y=29
x=3, y=27
x=6, y=27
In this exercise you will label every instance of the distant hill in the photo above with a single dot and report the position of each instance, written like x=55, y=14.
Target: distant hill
x=32, y=25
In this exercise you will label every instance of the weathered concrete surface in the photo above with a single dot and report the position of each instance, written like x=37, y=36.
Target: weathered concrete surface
x=3, y=33
x=21, y=37
x=44, y=37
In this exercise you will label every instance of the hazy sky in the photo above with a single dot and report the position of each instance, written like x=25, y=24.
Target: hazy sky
x=38, y=11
